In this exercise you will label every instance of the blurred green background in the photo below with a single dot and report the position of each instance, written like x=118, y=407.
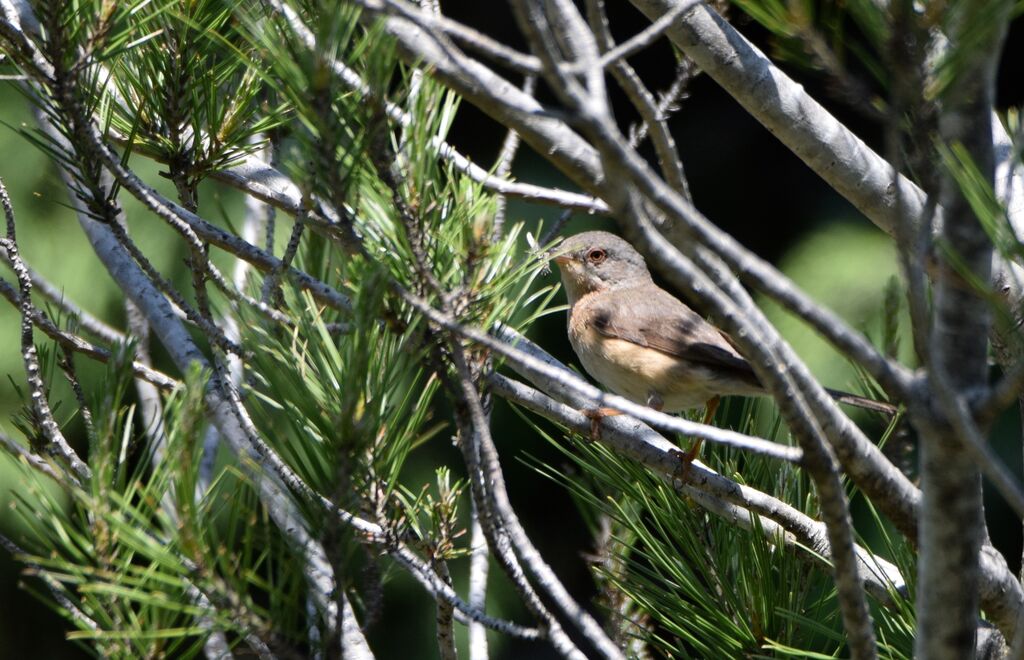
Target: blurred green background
x=741, y=178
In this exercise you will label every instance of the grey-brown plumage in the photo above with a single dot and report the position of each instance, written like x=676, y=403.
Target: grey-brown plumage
x=643, y=343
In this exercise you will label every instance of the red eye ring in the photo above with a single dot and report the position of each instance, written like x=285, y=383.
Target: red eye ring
x=596, y=256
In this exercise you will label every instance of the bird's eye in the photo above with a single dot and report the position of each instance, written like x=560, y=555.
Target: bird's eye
x=596, y=256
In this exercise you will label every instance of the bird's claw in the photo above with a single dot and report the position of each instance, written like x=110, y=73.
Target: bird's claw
x=595, y=415
x=686, y=459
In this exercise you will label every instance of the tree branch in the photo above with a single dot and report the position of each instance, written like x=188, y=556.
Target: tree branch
x=952, y=519
x=639, y=442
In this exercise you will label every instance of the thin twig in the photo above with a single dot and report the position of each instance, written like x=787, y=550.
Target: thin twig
x=80, y=618
x=1003, y=394
x=668, y=100
x=488, y=471
x=982, y=453
x=645, y=37
x=664, y=145
x=801, y=123
x=196, y=316
x=352, y=80
x=445, y=632
x=55, y=442
x=83, y=319
x=36, y=462
x=505, y=56
x=81, y=345
x=479, y=563
x=506, y=157
x=272, y=282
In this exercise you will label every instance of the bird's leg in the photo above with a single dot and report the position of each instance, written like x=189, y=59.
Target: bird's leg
x=687, y=457
x=596, y=415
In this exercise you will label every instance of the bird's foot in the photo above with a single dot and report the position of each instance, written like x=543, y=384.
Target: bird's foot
x=595, y=415
x=686, y=459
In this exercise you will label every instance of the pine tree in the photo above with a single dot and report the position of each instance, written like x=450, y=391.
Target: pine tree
x=327, y=307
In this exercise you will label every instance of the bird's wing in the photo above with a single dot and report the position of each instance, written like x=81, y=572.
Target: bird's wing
x=658, y=320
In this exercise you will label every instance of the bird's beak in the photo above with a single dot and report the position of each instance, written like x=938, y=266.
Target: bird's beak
x=561, y=255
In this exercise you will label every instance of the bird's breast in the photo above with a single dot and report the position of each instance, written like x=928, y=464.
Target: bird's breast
x=633, y=371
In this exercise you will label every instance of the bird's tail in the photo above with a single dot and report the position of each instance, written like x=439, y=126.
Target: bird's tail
x=862, y=402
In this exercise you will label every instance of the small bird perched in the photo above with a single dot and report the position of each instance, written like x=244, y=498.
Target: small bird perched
x=643, y=343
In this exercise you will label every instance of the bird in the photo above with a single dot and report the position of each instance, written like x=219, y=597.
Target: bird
x=643, y=343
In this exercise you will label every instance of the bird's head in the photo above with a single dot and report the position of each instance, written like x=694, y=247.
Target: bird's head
x=598, y=261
